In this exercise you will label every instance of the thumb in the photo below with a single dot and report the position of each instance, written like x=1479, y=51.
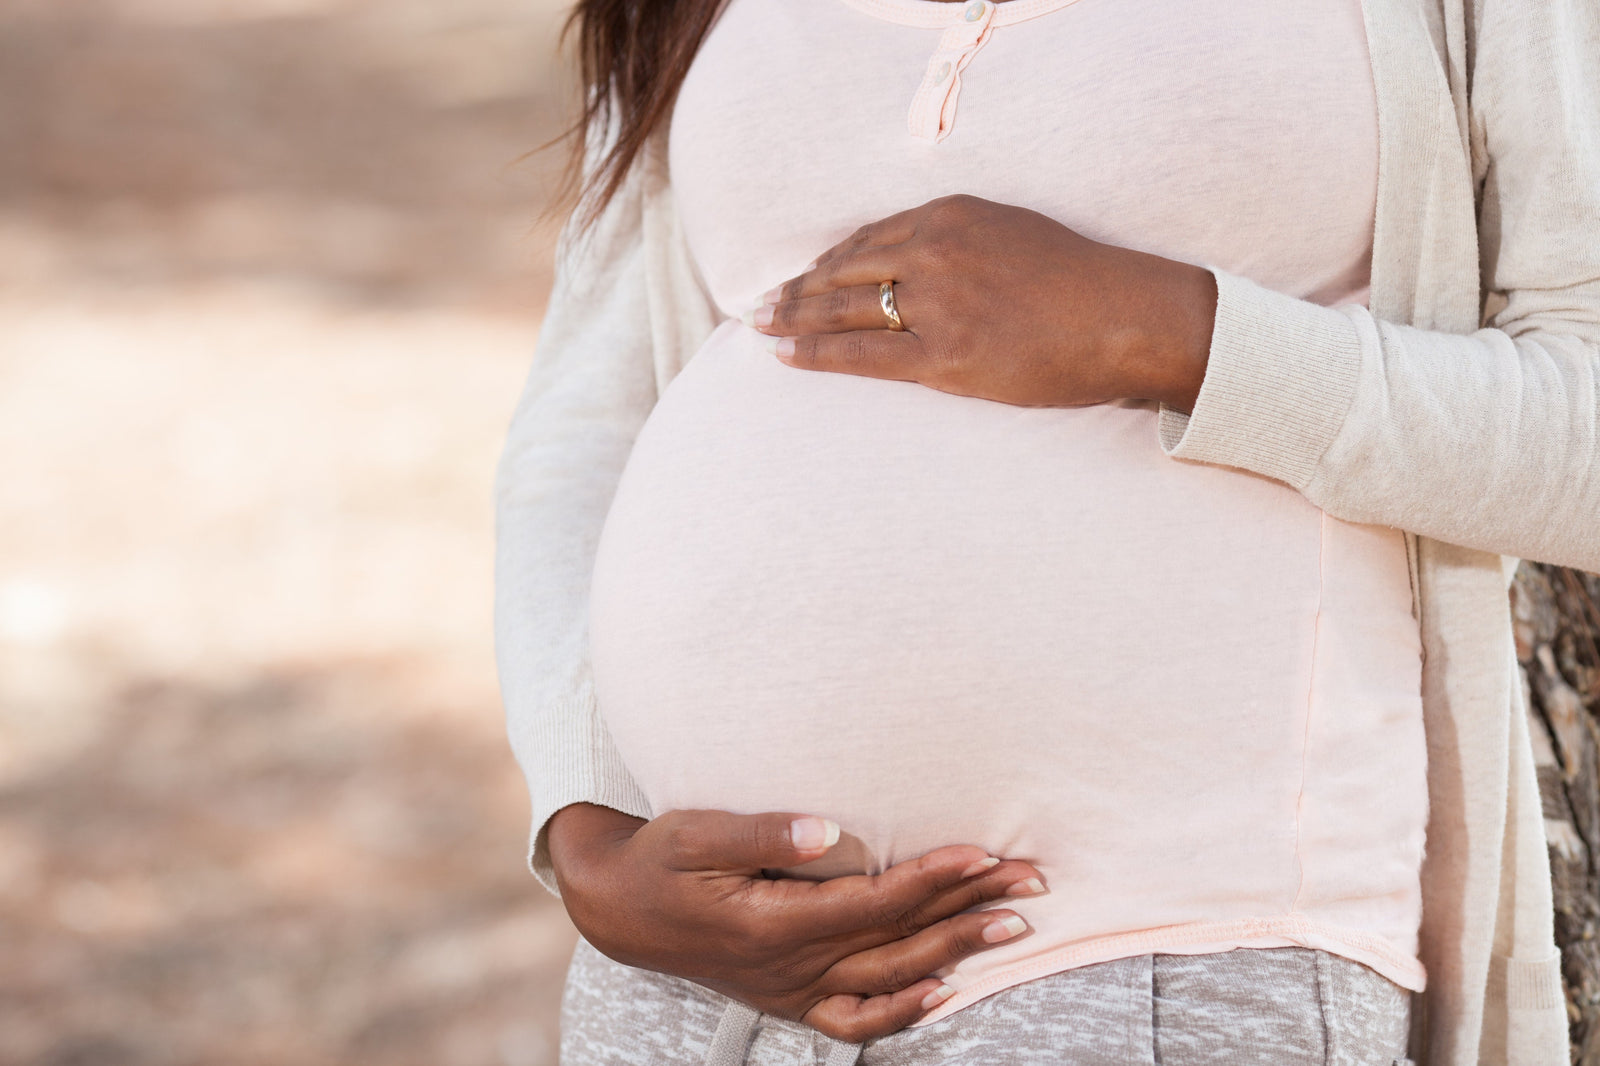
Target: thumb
x=720, y=840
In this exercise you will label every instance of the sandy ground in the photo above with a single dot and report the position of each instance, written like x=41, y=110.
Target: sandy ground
x=270, y=277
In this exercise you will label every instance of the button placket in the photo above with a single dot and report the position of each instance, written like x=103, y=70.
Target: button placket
x=933, y=109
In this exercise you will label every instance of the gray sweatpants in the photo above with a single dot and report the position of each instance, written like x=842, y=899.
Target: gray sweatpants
x=1249, y=1007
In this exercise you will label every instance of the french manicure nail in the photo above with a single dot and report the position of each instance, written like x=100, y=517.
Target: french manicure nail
x=809, y=267
x=762, y=316
x=782, y=347
x=1004, y=929
x=810, y=834
x=937, y=996
x=1031, y=887
x=772, y=296
x=978, y=867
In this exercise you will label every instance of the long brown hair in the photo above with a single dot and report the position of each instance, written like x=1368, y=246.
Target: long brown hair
x=632, y=57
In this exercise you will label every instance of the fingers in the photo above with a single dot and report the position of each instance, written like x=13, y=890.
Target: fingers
x=845, y=330
x=834, y=310
x=864, y=911
x=842, y=269
x=733, y=843
x=1012, y=879
x=855, y=1019
x=875, y=252
x=891, y=230
x=902, y=963
x=872, y=353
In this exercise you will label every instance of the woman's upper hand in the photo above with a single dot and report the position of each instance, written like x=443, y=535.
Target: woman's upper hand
x=684, y=894
x=1001, y=303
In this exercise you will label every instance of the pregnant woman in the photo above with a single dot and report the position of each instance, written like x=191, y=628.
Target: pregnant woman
x=1003, y=551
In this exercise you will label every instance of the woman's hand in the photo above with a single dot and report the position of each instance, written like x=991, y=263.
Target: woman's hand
x=1001, y=303
x=684, y=894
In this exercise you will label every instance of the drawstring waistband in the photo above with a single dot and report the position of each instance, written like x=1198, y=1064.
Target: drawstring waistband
x=731, y=1042
x=732, y=1038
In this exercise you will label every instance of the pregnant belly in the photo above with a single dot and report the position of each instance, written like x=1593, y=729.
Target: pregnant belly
x=939, y=619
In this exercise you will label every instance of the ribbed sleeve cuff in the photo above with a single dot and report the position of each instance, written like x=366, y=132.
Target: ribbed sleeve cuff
x=1279, y=381
x=579, y=765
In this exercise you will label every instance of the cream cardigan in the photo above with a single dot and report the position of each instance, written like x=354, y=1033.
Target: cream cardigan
x=1463, y=407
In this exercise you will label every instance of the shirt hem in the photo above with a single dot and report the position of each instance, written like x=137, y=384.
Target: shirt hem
x=1200, y=938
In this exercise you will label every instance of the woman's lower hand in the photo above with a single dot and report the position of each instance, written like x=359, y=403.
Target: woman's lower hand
x=684, y=894
x=1001, y=303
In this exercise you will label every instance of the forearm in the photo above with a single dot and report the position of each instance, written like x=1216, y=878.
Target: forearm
x=546, y=547
x=552, y=504
x=591, y=388
x=1482, y=440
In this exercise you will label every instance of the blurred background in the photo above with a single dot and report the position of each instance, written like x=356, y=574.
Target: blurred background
x=270, y=276
x=271, y=272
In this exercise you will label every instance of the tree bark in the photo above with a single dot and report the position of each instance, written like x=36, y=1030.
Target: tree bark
x=1557, y=617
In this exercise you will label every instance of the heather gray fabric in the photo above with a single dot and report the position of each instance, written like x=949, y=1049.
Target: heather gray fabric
x=1251, y=1007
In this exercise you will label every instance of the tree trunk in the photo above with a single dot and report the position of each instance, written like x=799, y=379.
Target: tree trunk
x=1557, y=615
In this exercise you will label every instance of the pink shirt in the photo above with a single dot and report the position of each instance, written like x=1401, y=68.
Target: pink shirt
x=1183, y=691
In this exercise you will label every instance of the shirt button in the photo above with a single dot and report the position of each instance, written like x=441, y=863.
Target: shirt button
x=976, y=9
x=942, y=73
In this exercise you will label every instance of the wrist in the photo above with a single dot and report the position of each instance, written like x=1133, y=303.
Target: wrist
x=1175, y=347
x=581, y=837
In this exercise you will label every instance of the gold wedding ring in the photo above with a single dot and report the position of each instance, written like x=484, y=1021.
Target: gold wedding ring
x=886, y=301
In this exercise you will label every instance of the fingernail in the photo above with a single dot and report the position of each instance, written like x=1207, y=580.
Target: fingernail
x=937, y=996
x=749, y=319
x=981, y=865
x=1031, y=887
x=772, y=296
x=782, y=347
x=1004, y=929
x=809, y=267
x=810, y=834
x=762, y=316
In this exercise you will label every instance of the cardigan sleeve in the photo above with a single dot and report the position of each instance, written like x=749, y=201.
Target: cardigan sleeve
x=590, y=389
x=1489, y=440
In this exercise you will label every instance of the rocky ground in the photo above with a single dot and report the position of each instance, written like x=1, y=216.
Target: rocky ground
x=270, y=275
